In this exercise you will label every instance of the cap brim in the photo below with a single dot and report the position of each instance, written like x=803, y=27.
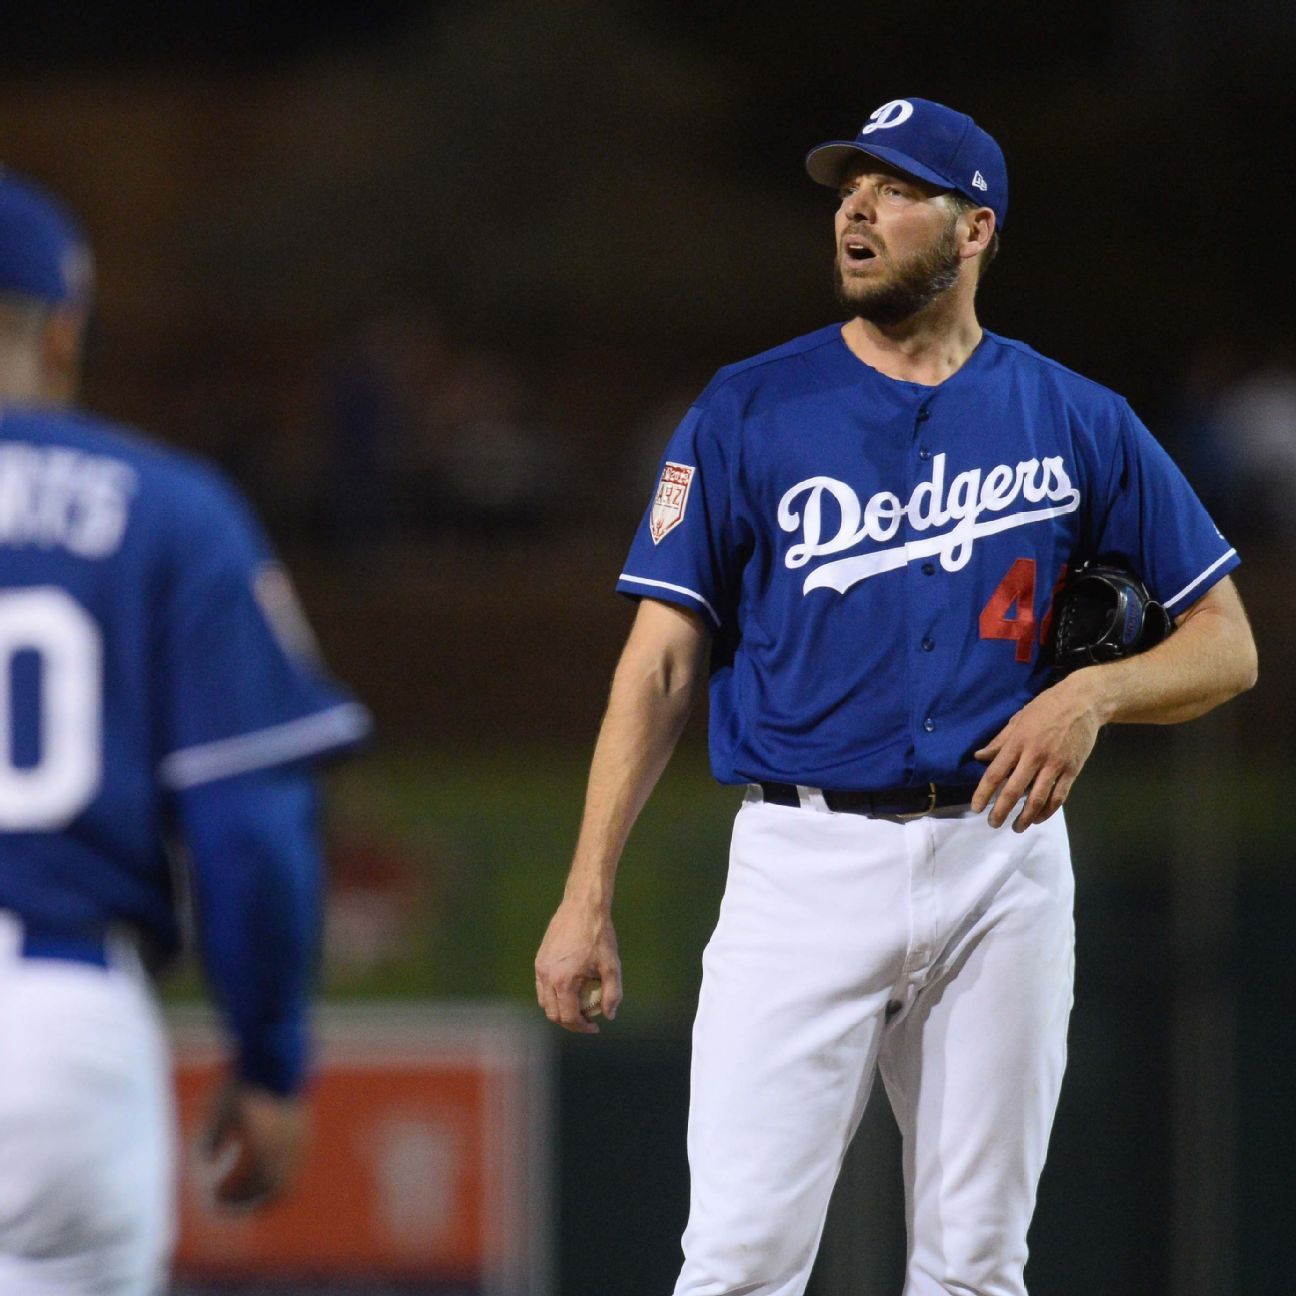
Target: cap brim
x=826, y=163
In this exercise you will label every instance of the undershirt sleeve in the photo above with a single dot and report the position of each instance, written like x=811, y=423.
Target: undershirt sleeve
x=254, y=855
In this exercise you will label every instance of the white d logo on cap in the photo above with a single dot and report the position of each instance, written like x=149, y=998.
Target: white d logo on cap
x=890, y=114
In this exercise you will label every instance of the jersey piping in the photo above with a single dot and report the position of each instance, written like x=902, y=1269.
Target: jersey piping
x=678, y=589
x=1192, y=585
x=337, y=727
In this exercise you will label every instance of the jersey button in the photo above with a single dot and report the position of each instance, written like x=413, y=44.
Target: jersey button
x=924, y=453
x=929, y=724
x=928, y=644
x=922, y=416
x=929, y=569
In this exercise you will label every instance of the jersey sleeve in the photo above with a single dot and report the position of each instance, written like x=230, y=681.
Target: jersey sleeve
x=1151, y=519
x=241, y=681
x=254, y=855
x=684, y=550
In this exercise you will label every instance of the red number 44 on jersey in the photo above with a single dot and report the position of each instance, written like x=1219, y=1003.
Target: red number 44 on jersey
x=1010, y=611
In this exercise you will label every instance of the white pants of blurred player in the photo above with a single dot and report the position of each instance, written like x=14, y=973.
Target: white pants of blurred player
x=85, y=1126
x=937, y=951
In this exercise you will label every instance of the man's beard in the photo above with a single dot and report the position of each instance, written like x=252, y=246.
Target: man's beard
x=912, y=286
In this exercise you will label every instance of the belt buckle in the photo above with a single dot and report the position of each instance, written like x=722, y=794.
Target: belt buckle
x=926, y=810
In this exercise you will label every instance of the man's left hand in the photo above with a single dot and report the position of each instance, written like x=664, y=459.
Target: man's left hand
x=1039, y=753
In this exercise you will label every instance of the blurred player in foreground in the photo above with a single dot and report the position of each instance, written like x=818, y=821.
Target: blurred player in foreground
x=860, y=532
x=158, y=686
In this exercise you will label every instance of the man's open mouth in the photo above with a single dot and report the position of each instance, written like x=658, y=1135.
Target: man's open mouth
x=858, y=251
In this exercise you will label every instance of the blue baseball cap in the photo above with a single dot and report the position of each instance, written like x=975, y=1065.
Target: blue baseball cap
x=43, y=253
x=926, y=140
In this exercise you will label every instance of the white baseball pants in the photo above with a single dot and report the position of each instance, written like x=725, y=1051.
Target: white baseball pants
x=936, y=950
x=85, y=1127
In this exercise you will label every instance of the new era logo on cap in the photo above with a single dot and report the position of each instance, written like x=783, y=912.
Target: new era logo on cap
x=927, y=140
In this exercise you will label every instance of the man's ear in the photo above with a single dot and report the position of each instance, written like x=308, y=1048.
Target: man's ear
x=62, y=350
x=979, y=223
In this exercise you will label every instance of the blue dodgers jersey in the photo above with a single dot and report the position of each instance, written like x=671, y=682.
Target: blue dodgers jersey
x=877, y=558
x=149, y=643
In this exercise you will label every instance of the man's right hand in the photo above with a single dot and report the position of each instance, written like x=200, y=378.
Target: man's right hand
x=579, y=946
x=253, y=1145
x=661, y=671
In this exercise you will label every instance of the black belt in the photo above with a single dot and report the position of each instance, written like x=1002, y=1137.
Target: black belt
x=74, y=949
x=80, y=947
x=891, y=802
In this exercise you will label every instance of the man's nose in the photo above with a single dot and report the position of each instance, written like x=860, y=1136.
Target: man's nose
x=858, y=204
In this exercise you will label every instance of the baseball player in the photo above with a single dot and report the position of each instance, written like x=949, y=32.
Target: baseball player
x=158, y=688
x=857, y=536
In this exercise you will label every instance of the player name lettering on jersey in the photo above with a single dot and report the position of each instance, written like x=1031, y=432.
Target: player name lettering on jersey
x=968, y=495
x=56, y=497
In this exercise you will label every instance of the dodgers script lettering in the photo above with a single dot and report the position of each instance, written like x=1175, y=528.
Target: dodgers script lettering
x=958, y=506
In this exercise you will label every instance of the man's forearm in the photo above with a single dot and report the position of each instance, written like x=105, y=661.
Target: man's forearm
x=650, y=701
x=1210, y=658
x=1040, y=752
x=656, y=680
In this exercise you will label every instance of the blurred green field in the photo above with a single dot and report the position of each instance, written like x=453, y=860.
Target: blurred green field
x=467, y=852
x=489, y=837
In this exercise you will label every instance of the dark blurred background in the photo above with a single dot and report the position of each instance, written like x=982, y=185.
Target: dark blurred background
x=434, y=282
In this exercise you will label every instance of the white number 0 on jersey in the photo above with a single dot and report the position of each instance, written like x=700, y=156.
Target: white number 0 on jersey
x=48, y=795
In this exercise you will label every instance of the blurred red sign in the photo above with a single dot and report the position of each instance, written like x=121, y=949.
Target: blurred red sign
x=429, y=1162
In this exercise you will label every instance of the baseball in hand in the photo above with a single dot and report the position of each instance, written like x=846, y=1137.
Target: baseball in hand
x=235, y=1179
x=591, y=999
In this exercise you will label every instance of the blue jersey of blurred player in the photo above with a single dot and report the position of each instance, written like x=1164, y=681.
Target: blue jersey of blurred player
x=161, y=708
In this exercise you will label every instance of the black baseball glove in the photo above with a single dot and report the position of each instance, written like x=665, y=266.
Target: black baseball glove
x=1104, y=613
